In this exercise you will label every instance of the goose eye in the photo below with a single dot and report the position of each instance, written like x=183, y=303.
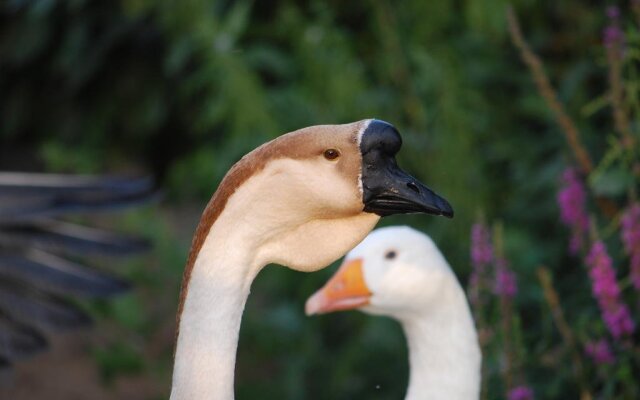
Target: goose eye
x=331, y=154
x=390, y=255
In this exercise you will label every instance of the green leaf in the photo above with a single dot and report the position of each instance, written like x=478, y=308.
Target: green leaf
x=613, y=182
x=128, y=311
x=119, y=358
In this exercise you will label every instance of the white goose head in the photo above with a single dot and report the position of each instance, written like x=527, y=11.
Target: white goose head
x=399, y=272
x=302, y=200
x=395, y=271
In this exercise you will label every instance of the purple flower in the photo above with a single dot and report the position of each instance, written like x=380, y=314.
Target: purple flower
x=521, y=392
x=612, y=35
x=630, y=222
x=505, y=283
x=613, y=12
x=571, y=200
x=600, y=352
x=606, y=290
x=481, y=248
x=481, y=257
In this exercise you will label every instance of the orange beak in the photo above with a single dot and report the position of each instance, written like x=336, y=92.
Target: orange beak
x=345, y=290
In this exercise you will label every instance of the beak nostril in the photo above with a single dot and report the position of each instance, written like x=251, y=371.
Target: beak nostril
x=413, y=187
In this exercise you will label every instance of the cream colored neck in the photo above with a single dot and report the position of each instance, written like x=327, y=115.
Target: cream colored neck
x=444, y=355
x=210, y=323
x=265, y=221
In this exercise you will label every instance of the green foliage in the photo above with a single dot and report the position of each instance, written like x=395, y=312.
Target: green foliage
x=118, y=358
x=184, y=90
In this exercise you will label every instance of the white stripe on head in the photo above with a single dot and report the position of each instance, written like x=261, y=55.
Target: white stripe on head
x=365, y=125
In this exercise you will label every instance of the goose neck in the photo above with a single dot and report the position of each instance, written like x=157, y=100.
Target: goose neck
x=210, y=322
x=444, y=355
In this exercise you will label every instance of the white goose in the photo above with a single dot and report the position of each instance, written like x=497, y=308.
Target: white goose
x=399, y=272
x=302, y=200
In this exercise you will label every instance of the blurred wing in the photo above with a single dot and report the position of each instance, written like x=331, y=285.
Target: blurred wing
x=36, y=275
x=18, y=341
x=70, y=238
x=57, y=275
x=36, y=308
x=31, y=196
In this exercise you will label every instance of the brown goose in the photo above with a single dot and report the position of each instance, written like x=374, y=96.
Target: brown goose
x=302, y=200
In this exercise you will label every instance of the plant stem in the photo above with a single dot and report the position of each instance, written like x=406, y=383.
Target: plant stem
x=553, y=300
x=548, y=93
x=506, y=311
x=620, y=117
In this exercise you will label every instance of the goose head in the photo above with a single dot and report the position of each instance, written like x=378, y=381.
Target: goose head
x=309, y=196
x=396, y=271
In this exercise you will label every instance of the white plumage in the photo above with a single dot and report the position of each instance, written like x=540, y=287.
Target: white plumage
x=400, y=273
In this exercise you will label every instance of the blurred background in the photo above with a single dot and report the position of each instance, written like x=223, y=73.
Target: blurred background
x=180, y=91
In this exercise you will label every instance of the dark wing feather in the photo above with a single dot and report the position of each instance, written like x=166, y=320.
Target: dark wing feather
x=34, y=273
x=54, y=274
x=70, y=238
x=52, y=184
x=39, y=309
x=65, y=205
x=18, y=341
x=30, y=196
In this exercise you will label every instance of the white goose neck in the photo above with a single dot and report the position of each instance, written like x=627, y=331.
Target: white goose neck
x=210, y=323
x=444, y=355
x=217, y=292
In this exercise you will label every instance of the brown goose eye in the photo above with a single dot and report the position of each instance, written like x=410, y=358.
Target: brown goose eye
x=390, y=255
x=331, y=154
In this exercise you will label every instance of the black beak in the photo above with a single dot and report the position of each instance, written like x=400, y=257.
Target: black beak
x=387, y=189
